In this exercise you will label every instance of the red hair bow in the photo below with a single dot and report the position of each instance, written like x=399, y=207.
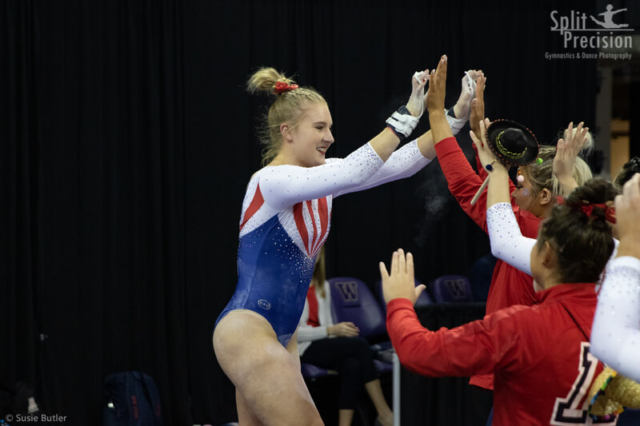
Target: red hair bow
x=609, y=212
x=282, y=87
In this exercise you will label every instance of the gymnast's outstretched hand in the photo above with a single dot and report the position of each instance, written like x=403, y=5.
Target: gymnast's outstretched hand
x=469, y=90
x=565, y=159
x=401, y=282
x=477, y=106
x=417, y=99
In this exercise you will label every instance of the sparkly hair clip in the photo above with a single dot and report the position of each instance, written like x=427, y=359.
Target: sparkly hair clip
x=282, y=87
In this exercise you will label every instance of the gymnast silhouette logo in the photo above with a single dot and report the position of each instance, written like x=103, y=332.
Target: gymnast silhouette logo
x=457, y=288
x=348, y=290
x=578, y=33
x=608, y=19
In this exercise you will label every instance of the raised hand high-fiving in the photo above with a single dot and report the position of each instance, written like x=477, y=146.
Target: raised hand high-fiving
x=401, y=281
x=437, y=87
x=417, y=99
x=567, y=151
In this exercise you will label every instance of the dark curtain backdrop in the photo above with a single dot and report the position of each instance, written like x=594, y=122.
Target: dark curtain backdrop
x=127, y=142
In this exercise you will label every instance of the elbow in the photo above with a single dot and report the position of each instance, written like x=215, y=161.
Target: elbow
x=406, y=359
x=411, y=359
x=496, y=250
x=601, y=339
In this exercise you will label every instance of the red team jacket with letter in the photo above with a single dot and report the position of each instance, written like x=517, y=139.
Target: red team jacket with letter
x=509, y=286
x=539, y=354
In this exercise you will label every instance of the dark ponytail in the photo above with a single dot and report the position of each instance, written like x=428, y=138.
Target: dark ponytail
x=580, y=233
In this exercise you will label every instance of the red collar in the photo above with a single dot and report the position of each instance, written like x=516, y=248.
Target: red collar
x=564, y=291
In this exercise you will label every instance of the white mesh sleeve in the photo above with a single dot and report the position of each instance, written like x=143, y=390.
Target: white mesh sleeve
x=286, y=185
x=507, y=242
x=615, y=336
x=403, y=163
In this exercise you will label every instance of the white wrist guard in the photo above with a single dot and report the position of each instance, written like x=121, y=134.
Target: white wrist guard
x=402, y=122
x=456, y=124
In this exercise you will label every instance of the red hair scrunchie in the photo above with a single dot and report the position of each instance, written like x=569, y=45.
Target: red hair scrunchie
x=282, y=87
x=609, y=212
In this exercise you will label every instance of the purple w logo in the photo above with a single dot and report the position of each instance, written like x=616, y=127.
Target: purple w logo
x=457, y=288
x=348, y=290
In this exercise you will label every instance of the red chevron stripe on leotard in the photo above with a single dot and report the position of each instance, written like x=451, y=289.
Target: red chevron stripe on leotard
x=255, y=205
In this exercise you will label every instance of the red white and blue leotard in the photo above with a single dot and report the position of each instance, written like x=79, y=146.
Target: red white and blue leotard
x=285, y=220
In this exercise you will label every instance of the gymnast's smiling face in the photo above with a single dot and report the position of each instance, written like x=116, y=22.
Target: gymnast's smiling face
x=310, y=139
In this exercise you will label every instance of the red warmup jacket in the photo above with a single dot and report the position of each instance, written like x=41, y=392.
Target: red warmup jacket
x=539, y=354
x=509, y=286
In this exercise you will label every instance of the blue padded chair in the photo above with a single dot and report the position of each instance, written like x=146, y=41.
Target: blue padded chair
x=451, y=288
x=480, y=276
x=352, y=301
x=313, y=372
x=423, y=299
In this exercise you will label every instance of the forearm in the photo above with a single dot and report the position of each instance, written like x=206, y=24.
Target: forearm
x=385, y=143
x=439, y=126
x=403, y=163
x=426, y=145
x=308, y=183
x=462, y=180
x=615, y=336
x=507, y=242
x=456, y=352
x=498, y=191
x=567, y=185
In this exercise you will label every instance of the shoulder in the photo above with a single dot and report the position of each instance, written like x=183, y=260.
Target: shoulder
x=506, y=315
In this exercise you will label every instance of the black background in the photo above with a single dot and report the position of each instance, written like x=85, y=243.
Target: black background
x=127, y=142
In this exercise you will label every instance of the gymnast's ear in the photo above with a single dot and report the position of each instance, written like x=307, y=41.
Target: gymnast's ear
x=548, y=256
x=286, y=131
x=545, y=197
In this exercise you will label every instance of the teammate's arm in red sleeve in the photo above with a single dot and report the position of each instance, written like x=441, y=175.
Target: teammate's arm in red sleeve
x=463, y=182
x=474, y=348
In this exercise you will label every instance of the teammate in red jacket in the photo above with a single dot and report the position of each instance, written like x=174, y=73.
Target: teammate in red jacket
x=540, y=355
x=531, y=201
